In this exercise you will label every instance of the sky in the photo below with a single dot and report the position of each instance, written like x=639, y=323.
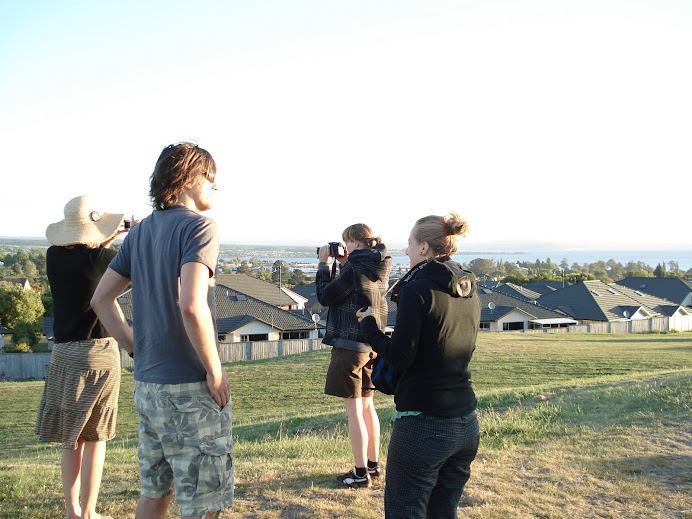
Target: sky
x=563, y=123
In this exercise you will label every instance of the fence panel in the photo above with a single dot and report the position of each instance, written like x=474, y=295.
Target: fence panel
x=659, y=324
x=641, y=326
x=623, y=327
x=578, y=328
x=681, y=323
x=23, y=366
x=599, y=327
x=231, y=352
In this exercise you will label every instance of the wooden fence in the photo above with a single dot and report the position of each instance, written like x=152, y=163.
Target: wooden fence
x=654, y=325
x=32, y=366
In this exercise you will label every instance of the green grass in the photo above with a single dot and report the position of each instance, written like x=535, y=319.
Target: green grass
x=593, y=426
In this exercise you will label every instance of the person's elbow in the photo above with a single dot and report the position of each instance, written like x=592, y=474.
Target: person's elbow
x=98, y=302
x=191, y=309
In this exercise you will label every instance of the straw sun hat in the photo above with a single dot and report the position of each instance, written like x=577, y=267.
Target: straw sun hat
x=83, y=223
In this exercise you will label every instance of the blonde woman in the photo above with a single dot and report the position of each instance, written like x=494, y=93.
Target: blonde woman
x=435, y=433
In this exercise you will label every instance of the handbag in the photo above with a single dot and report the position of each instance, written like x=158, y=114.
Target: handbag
x=384, y=376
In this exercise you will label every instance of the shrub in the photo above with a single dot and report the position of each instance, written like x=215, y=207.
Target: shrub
x=22, y=347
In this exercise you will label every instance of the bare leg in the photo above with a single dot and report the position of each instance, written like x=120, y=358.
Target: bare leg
x=70, y=467
x=372, y=424
x=92, y=470
x=357, y=432
x=152, y=508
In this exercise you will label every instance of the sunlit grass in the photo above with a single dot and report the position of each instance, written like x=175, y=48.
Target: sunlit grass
x=572, y=426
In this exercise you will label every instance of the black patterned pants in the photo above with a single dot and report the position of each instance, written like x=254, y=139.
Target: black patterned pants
x=428, y=464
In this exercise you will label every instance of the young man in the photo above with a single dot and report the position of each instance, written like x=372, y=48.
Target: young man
x=182, y=394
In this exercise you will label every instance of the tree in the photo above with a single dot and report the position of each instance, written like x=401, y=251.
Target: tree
x=601, y=274
x=297, y=277
x=660, y=271
x=47, y=302
x=482, y=266
x=245, y=268
x=280, y=271
x=17, y=305
x=26, y=332
x=674, y=267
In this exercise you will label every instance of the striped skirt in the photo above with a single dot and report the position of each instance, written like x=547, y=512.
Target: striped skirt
x=80, y=396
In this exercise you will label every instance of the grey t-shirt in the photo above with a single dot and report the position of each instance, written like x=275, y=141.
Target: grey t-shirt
x=152, y=255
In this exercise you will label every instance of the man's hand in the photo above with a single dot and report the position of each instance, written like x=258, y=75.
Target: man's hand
x=219, y=387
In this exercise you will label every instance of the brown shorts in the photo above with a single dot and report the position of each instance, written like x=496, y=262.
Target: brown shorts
x=347, y=376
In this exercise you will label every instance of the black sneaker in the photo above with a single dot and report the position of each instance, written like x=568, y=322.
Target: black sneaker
x=350, y=479
x=374, y=472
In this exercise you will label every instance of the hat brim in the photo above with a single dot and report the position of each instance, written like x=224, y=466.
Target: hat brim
x=63, y=233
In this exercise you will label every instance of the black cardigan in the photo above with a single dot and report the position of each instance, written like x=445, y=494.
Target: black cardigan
x=437, y=322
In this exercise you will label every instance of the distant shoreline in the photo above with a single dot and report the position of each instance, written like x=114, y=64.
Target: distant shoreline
x=292, y=253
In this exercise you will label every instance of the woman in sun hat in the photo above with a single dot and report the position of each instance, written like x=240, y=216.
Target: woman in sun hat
x=80, y=397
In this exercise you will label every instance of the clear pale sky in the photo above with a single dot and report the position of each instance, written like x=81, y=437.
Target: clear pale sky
x=561, y=121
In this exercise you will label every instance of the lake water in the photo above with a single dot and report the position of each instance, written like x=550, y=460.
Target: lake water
x=650, y=257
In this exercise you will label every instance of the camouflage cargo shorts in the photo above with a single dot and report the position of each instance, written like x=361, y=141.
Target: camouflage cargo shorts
x=185, y=444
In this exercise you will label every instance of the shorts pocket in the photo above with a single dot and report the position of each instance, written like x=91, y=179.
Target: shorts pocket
x=215, y=465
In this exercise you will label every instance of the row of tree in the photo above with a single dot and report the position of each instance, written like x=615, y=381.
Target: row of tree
x=518, y=273
x=607, y=271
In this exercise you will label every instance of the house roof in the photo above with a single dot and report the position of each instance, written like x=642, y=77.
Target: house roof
x=545, y=287
x=234, y=309
x=517, y=291
x=672, y=289
x=594, y=300
x=125, y=302
x=309, y=293
x=504, y=304
x=17, y=281
x=5, y=331
x=657, y=304
x=262, y=290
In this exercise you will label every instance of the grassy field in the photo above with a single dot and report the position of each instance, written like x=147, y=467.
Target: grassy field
x=573, y=426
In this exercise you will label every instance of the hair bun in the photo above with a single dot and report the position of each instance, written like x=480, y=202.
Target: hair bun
x=456, y=225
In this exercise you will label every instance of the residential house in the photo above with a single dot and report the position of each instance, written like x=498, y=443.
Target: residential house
x=595, y=301
x=264, y=291
x=505, y=312
x=22, y=282
x=243, y=318
x=676, y=290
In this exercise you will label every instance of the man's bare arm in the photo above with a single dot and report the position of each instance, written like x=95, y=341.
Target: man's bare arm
x=199, y=325
x=104, y=302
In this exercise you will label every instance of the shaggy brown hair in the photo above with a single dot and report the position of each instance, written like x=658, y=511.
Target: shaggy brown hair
x=179, y=166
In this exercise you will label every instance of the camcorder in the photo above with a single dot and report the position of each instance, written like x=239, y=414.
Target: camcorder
x=336, y=250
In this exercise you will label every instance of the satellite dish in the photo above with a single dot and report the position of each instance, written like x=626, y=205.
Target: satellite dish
x=491, y=305
x=315, y=318
x=626, y=314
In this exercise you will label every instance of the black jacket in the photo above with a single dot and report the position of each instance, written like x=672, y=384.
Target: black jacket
x=437, y=321
x=362, y=282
